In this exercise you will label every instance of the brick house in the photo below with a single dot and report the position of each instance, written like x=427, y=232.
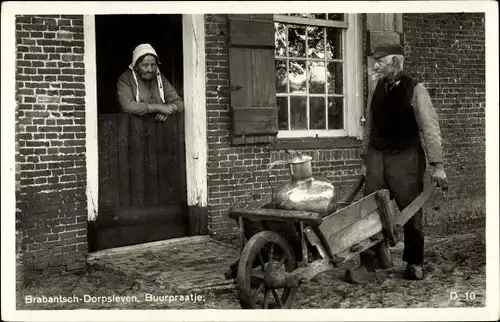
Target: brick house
x=79, y=187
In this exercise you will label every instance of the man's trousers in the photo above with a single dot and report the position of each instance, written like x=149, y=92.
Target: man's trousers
x=402, y=173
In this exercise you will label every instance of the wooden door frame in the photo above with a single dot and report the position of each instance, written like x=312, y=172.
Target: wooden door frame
x=194, y=119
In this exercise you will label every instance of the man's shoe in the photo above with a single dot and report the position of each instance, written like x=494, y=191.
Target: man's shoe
x=360, y=275
x=414, y=272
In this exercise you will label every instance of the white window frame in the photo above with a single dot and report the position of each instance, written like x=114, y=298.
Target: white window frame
x=352, y=42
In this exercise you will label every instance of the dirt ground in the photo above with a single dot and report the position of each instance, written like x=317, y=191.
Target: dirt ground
x=454, y=263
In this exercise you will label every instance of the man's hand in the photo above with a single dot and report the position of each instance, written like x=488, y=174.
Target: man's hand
x=439, y=176
x=161, y=117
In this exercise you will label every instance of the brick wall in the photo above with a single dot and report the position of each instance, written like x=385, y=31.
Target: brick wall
x=50, y=96
x=238, y=175
x=452, y=42
x=446, y=52
x=233, y=172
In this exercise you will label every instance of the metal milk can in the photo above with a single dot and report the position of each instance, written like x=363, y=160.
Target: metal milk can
x=304, y=191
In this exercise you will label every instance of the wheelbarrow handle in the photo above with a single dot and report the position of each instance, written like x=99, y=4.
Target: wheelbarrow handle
x=352, y=194
x=415, y=205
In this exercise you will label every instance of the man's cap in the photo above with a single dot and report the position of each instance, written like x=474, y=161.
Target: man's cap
x=383, y=50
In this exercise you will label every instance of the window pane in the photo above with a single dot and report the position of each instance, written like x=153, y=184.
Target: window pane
x=305, y=15
x=335, y=113
x=281, y=78
x=280, y=39
x=335, y=78
x=333, y=43
x=316, y=42
x=296, y=41
x=317, y=77
x=336, y=16
x=282, y=103
x=309, y=15
x=297, y=76
x=298, y=112
x=317, y=113
x=319, y=15
x=302, y=15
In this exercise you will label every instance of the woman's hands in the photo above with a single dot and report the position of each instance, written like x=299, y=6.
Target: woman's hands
x=163, y=111
x=161, y=117
x=168, y=109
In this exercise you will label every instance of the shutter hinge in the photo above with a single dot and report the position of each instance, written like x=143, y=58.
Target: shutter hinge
x=236, y=88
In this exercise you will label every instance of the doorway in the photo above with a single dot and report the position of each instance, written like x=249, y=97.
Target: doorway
x=142, y=178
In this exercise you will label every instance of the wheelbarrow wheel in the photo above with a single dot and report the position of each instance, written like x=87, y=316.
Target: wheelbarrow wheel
x=264, y=261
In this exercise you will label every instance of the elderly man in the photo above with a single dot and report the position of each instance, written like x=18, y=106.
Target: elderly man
x=401, y=132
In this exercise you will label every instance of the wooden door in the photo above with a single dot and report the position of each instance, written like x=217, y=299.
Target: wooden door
x=142, y=193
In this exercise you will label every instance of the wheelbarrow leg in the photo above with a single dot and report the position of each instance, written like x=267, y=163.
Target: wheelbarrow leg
x=384, y=255
x=378, y=257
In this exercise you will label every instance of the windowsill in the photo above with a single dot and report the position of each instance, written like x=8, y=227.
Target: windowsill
x=316, y=143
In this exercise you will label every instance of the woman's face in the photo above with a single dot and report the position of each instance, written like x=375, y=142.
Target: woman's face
x=147, y=67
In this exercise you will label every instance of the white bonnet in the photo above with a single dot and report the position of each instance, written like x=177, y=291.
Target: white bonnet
x=142, y=50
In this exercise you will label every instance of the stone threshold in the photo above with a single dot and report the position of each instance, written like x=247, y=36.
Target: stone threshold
x=147, y=246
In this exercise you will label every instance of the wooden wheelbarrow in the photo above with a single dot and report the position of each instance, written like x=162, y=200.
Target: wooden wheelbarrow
x=282, y=249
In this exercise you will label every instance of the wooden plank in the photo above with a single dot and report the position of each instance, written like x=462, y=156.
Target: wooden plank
x=255, y=120
x=348, y=215
x=123, y=164
x=174, y=160
x=162, y=164
x=355, y=233
x=251, y=33
x=398, y=22
x=132, y=235
x=172, y=214
x=264, y=90
x=374, y=21
x=384, y=21
x=387, y=216
x=137, y=165
x=181, y=160
x=152, y=164
x=170, y=155
x=241, y=74
x=113, y=158
x=388, y=21
x=105, y=198
x=361, y=246
x=316, y=242
x=194, y=77
x=290, y=216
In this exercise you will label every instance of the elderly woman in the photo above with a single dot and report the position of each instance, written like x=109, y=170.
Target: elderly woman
x=143, y=89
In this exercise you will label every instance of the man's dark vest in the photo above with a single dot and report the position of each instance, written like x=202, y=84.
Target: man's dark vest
x=394, y=125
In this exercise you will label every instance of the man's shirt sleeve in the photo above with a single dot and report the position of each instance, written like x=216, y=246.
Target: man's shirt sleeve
x=430, y=132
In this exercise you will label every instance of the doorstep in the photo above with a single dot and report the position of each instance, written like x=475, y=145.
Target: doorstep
x=185, y=264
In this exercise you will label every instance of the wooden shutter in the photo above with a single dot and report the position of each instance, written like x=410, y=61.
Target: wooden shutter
x=252, y=79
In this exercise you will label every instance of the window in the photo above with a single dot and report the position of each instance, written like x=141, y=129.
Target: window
x=315, y=59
